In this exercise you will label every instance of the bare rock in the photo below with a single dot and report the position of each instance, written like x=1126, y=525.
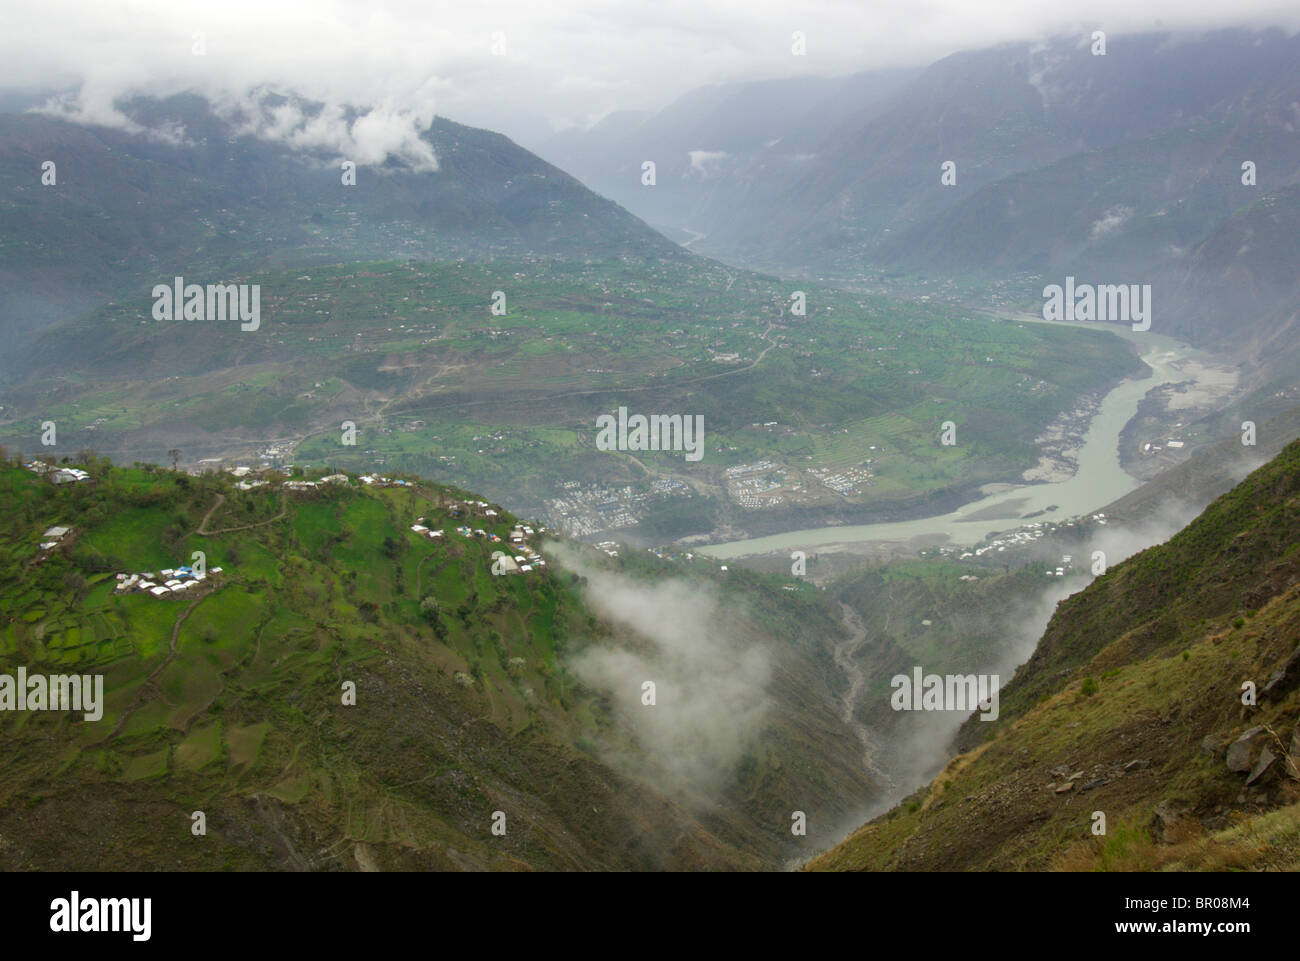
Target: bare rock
x=1266, y=759
x=1285, y=677
x=1240, y=750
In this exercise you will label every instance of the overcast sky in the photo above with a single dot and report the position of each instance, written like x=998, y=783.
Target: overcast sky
x=565, y=62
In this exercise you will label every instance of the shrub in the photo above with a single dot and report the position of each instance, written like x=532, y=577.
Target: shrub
x=429, y=609
x=1127, y=848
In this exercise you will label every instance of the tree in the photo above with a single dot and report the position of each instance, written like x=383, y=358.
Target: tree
x=429, y=609
x=76, y=584
x=175, y=455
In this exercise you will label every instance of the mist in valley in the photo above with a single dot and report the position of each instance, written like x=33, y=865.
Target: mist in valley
x=710, y=681
x=919, y=744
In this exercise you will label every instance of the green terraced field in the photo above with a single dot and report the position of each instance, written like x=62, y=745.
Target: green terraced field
x=439, y=386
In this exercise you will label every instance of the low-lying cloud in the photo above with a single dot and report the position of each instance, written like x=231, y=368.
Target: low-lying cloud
x=524, y=68
x=367, y=135
x=710, y=680
x=922, y=741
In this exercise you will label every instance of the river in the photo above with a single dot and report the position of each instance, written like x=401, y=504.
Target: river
x=1098, y=481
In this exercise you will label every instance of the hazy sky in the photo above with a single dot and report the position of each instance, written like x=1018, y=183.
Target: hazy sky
x=565, y=62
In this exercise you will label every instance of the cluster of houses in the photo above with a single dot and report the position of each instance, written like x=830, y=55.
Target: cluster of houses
x=1065, y=563
x=306, y=485
x=1019, y=538
x=163, y=583
x=243, y=481
x=374, y=480
x=57, y=475
x=248, y=478
x=525, y=561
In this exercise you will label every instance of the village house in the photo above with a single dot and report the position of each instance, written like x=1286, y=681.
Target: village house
x=424, y=531
x=53, y=537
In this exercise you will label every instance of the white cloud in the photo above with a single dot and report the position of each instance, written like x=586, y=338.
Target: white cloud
x=1111, y=221
x=706, y=162
x=710, y=679
x=566, y=60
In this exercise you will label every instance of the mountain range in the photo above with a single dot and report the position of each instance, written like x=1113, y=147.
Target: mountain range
x=444, y=629
x=1125, y=167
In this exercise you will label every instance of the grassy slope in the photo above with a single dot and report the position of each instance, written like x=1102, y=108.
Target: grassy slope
x=1167, y=637
x=968, y=620
x=245, y=722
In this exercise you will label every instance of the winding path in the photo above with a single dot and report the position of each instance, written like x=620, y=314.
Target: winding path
x=140, y=696
x=221, y=499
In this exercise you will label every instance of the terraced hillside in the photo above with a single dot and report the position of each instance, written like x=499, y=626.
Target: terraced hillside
x=832, y=415
x=230, y=697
